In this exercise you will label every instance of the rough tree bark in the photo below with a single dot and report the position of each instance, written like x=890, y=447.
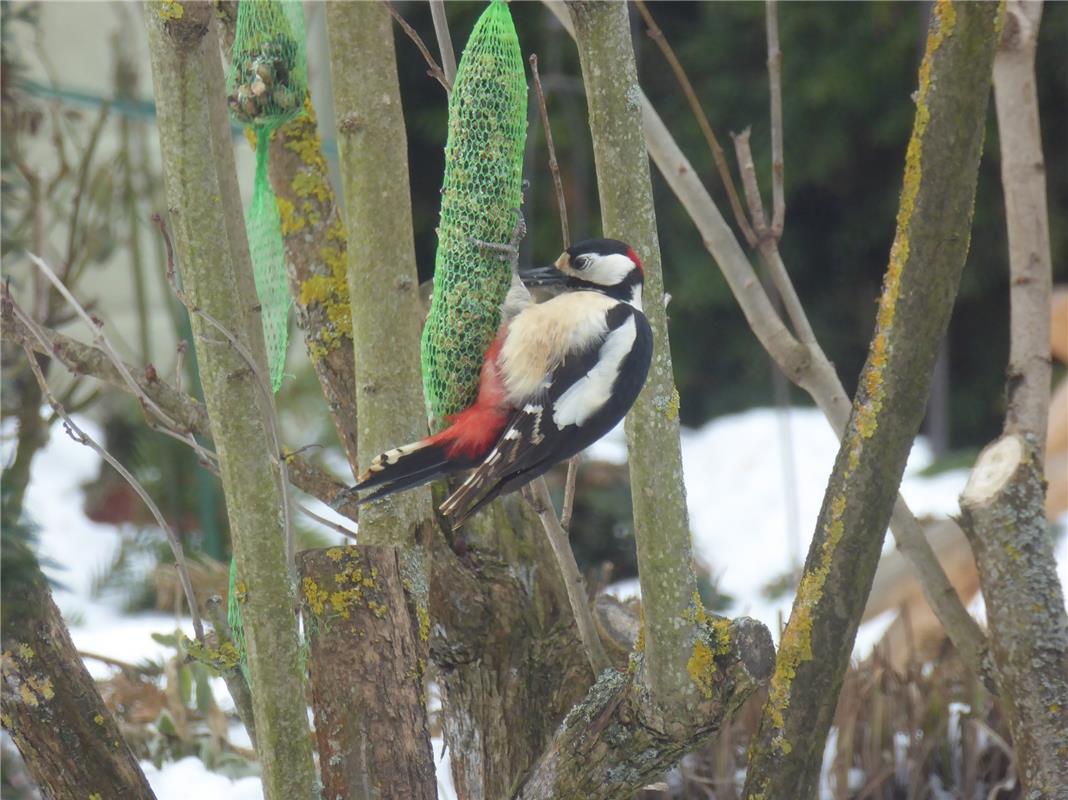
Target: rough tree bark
x=926, y=261
x=1004, y=518
x=370, y=713
x=51, y=706
x=382, y=285
x=661, y=526
x=205, y=208
x=1004, y=501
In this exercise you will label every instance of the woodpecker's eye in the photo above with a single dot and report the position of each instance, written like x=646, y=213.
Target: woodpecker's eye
x=581, y=262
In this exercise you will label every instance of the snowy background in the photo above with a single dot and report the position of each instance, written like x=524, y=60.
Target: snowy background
x=737, y=468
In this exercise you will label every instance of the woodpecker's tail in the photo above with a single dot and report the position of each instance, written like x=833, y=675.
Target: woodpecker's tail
x=405, y=468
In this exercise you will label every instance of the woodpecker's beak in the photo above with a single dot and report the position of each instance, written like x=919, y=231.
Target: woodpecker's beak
x=542, y=276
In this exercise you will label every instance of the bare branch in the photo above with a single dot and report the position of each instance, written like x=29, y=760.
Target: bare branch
x=81, y=437
x=1023, y=178
x=778, y=217
x=554, y=166
x=351, y=534
x=718, y=156
x=191, y=416
x=565, y=233
x=441, y=30
x=435, y=71
x=749, y=182
x=569, y=571
x=768, y=246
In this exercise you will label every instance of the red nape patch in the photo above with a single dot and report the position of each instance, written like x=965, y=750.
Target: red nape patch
x=634, y=257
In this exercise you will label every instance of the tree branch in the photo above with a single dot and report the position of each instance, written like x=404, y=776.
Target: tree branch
x=441, y=31
x=808, y=367
x=435, y=71
x=921, y=281
x=572, y=579
x=718, y=155
x=614, y=742
x=778, y=217
x=205, y=204
x=373, y=160
x=81, y=437
x=1004, y=502
x=1023, y=178
x=662, y=529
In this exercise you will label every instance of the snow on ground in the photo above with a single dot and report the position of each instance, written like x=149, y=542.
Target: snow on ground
x=738, y=512
x=739, y=504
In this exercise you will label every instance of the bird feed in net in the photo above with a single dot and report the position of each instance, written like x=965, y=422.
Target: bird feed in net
x=266, y=84
x=481, y=193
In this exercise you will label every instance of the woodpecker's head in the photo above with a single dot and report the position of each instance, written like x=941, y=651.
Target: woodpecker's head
x=603, y=265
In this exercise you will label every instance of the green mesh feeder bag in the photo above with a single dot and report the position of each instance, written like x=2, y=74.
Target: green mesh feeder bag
x=481, y=192
x=267, y=81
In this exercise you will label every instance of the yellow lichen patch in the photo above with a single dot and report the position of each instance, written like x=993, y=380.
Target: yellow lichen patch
x=721, y=632
x=99, y=719
x=335, y=554
x=697, y=613
x=25, y=652
x=796, y=646
x=35, y=689
x=95, y=796
x=6, y=721
x=170, y=10
x=872, y=389
x=330, y=292
x=316, y=597
x=222, y=658
x=424, y=622
x=702, y=669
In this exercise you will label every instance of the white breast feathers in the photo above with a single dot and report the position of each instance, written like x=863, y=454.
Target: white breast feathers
x=540, y=337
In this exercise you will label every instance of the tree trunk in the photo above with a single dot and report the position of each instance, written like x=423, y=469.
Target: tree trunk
x=51, y=706
x=1005, y=521
x=921, y=283
x=382, y=289
x=661, y=526
x=366, y=676
x=216, y=273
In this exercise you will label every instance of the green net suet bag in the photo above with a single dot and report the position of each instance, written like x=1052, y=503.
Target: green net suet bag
x=267, y=81
x=481, y=192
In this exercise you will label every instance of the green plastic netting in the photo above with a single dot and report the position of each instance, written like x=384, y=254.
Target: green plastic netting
x=233, y=618
x=267, y=81
x=481, y=191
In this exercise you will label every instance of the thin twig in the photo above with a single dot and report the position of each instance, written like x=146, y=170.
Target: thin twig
x=441, y=30
x=767, y=244
x=81, y=437
x=778, y=197
x=125, y=666
x=569, y=572
x=565, y=233
x=569, y=493
x=351, y=534
x=260, y=379
x=718, y=155
x=80, y=190
x=169, y=425
x=435, y=71
x=554, y=165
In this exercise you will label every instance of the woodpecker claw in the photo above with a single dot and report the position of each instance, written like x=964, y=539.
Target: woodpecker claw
x=509, y=253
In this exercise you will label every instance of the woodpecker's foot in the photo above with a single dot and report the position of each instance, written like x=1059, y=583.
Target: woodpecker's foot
x=509, y=253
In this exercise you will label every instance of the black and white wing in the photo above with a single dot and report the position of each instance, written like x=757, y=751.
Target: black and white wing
x=585, y=396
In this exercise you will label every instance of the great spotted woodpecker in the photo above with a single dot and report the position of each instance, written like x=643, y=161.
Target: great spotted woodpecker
x=557, y=377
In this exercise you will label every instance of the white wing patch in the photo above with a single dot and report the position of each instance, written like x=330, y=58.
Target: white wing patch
x=586, y=396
